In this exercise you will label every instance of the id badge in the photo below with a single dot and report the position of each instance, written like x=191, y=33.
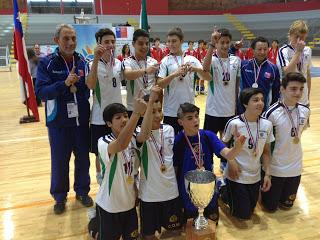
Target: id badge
x=72, y=109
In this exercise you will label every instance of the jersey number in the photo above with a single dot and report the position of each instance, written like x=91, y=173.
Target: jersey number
x=250, y=144
x=114, y=82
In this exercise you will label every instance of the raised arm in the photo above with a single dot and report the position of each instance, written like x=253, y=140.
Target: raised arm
x=99, y=50
x=296, y=57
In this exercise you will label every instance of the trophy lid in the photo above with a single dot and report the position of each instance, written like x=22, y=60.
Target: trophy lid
x=200, y=176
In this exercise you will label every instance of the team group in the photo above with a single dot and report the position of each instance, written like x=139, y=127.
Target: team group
x=259, y=108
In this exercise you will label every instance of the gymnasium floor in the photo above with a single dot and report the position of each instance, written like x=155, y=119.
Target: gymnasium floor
x=26, y=205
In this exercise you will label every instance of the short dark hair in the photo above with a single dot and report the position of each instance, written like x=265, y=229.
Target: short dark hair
x=258, y=39
x=103, y=32
x=292, y=77
x=176, y=32
x=187, y=108
x=30, y=53
x=156, y=39
x=140, y=33
x=224, y=33
x=247, y=93
x=190, y=42
x=123, y=51
x=275, y=40
x=147, y=96
x=200, y=41
x=111, y=110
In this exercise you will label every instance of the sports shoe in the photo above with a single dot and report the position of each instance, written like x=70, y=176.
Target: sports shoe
x=59, y=208
x=85, y=200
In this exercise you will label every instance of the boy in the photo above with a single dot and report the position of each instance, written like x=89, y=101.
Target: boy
x=105, y=79
x=201, y=53
x=155, y=51
x=273, y=51
x=289, y=119
x=190, y=51
x=158, y=190
x=139, y=69
x=176, y=76
x=194, y=149
x=296, y=56
x=243, y=186
x=223, y=85
x=116, y=211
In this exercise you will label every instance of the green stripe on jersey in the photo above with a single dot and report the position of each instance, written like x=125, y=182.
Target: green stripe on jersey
x=112, y=171
x=103, y=166
x=145, y=159
x=211, y=84
x=132, y=87
x=98, y=92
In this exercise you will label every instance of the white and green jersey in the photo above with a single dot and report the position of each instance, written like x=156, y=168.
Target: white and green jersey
x=155, y=185
x=221, y=100
x=108, y=89
x=144, y=83
x=179, y=90
x=116, y=194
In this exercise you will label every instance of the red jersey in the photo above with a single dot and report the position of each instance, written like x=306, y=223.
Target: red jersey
x=272, y=55
x=190, y=53
x=157, y=53
x=121, y=57
x=240, y=54
x=165, y=51
x=201, y=53
x=249, y=54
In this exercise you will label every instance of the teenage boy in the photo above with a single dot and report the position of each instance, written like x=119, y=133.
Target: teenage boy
x=194, y=149
x=190, y=51
x=289, y=119
x=201, y=53
x=158, y=190
x=259, y=72
x=155, y=51
x=243, y=174
x=177, y=76
x=273, y=51
x=116, y=198
x=296, y=56
x=105, y=79
x=223, y=85
x=139, y=69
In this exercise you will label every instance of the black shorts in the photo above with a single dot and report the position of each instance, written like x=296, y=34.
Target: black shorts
x=116, y=225
x=242, y=198
x=215, y=124
x=154, y=215
x=96, y=132
x=173, y=121
x=282, y=192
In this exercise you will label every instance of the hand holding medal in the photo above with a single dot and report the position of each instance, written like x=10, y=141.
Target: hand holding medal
x=71, y=80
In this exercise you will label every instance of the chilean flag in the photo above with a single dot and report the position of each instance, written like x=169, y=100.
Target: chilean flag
x=20, y=54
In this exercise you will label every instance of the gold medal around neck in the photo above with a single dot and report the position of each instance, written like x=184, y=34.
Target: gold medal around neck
x=296, y=140
x=163, y=168
x=225, y=83
x=201, y=168
x=73, y=89
x=130, y=180
x=255, y=153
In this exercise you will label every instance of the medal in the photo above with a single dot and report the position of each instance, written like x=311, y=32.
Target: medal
x=130, y=180
x=255, y=85
x=163, y=168
x=145, y=76
x=296, y=140
x=225, y=72
x=179, y=65
x=201, y=168
x=225, y=83
x=73, y=88
x=294, y=130
x=252, y=143
x=198, y=159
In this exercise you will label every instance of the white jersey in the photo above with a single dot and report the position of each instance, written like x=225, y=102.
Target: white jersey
x=107, y=91
x=250, y=165
x=154, y=185
x=285, y=55
x=178, y=91
x=286, y=156
x=141, y=83
x=221, y=100
x=116, y=194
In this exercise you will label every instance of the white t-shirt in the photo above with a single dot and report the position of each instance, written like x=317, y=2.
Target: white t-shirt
x=135, y=85
x=178, y=91
x=154, y=185
x=116, y=194
x=286, y=156
x=250, y=166
x=285, y=55
x=107, y=91
x=221, y=100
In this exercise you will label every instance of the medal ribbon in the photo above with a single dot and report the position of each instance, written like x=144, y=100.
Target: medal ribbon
x=255, y=143
x=182, y=61
x=159, y=151
x=295, y=129
x=226, y=73
x=199, y=161
x=257, y=72
x=145, y=76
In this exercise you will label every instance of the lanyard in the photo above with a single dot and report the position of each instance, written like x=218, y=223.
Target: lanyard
x=294, y=128
x=159, y=150
x=251, y=139
x=257, y=71
x=225, y=72
x=145, y=76
x=199, y=161
x=110, y=65
x=179, y=65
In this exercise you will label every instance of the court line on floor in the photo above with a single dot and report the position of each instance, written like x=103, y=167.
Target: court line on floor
x=37, y=204
x=24, y=139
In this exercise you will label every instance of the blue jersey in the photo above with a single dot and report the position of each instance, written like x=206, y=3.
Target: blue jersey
x=51, y=87
x=268, y=80
x=184, y=161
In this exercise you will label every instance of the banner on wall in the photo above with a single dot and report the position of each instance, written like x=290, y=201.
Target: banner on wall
x=86, y=41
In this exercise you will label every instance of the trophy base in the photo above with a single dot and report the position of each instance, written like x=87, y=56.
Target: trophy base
x=205, y=234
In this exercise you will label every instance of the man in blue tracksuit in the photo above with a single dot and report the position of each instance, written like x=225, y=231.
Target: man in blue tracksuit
x=61, y=84
x=259, y=72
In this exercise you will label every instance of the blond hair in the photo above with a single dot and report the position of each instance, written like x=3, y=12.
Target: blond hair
x=298, y=27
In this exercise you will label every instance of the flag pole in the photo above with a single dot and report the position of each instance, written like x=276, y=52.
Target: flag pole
x=28, y=118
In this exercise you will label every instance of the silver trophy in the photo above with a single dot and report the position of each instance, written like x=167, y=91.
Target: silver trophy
x=201, y=188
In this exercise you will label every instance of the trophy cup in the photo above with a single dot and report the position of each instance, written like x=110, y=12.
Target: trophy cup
x=201, y=189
